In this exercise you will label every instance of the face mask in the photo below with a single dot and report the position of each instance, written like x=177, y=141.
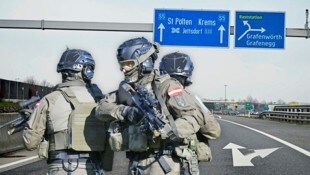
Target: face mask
x=132, y=76
x=71, y=76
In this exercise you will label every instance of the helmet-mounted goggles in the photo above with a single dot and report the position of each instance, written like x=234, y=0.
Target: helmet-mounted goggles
x=129, y=64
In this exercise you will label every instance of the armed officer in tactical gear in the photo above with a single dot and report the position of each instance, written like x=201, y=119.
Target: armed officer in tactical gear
x=179, y=66
x=66, y=119
x=159, y=117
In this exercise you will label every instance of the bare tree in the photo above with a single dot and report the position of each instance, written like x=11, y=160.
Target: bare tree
x=31, y=80
x=249, y=98
x=255, y=100
x=281, y=102
x=46, y=83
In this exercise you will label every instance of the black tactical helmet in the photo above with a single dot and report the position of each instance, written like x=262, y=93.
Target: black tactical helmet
x=177, y=64
x=76, y=60
x=137, y=51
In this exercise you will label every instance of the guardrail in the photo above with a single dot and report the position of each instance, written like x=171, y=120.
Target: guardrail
x=9, y=143
x=294, y=117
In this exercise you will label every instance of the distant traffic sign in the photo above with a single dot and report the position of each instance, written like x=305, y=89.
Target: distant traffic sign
x=260, y=30
x=266, y=108
x=191, y=27
x=247, y=106
x=252, y=107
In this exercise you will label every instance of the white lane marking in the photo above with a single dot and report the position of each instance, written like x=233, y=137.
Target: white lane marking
x=218, y=116
x=17, y=162
x=301, y=150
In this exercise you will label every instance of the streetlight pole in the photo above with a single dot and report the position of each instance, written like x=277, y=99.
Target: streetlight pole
x=225, y=96
x=9, y=89
x=23, y=92
x=16, y=88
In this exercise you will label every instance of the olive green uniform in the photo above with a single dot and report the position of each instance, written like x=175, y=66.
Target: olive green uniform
x=187, y=119
x=76, y=139
x=210, y=130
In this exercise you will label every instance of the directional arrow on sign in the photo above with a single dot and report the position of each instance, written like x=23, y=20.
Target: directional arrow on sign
x=221, y=29
x=161, y=28
x=246, y=23
x=245, y=160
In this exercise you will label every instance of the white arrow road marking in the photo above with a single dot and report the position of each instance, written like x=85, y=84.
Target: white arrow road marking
x=301, y=150
x=262, y=30
x=221, y=29
x=245, y=160
x=161, y=28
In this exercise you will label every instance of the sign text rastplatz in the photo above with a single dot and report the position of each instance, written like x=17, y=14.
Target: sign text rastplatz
x=260, y=30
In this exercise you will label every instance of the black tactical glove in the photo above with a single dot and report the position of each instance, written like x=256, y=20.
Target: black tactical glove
x=132, y=114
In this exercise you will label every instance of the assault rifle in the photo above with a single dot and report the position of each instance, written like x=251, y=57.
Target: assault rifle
x=148, y=105
x=19, y=123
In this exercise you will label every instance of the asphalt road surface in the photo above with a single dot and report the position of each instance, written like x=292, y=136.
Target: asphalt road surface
x=246, y=147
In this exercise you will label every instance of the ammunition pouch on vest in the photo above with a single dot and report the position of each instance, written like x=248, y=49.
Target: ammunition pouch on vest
x=203, y=151
x=137, y=139
x=198, y=145
x=189, y=154
x=118, y=139
x=85, y=132
x=43, y=149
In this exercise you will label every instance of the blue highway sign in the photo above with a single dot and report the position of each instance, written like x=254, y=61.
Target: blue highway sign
x=191, y=28
x=260, y=30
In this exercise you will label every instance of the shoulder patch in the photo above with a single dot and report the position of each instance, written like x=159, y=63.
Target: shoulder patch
x=180, y=100
x=175, y=91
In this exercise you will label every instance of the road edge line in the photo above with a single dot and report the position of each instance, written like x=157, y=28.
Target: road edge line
x=17, y=162
x=301, y=150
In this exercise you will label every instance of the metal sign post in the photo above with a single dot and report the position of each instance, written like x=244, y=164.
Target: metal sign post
x=307, y=24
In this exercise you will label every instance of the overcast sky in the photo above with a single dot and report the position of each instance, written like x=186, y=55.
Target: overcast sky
x=265, y=74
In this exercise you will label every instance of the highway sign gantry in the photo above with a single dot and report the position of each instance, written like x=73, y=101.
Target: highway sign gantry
x=191, y=28
x=260, y=30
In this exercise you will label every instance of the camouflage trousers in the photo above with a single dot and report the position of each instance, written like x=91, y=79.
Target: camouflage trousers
x=74, y=168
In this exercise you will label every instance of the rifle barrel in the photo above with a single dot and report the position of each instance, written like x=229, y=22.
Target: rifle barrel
x=32, y=100
x=10, y=122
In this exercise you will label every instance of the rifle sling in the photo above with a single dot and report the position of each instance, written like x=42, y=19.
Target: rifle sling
x=165, y=110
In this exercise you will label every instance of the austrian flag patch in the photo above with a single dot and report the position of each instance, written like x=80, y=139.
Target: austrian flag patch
x=175, y=91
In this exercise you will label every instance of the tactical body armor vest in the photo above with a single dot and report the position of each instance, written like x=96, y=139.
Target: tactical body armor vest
x=141, y=147
x=138, y=140
x=84, y=132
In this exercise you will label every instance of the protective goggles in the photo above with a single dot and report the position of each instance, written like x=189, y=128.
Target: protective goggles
x=129, y=64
